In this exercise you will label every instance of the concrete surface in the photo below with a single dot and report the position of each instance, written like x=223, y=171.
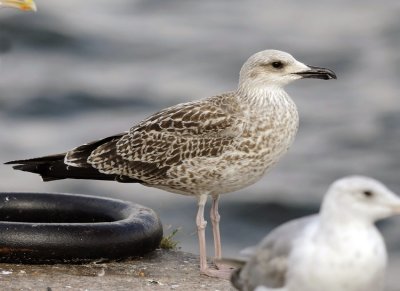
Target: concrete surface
x=160, y=270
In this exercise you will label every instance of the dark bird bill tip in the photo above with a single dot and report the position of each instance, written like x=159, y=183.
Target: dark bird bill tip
x=318, y=73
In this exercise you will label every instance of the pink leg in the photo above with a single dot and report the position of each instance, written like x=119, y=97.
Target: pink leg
x=201, y=226
x=215, y=218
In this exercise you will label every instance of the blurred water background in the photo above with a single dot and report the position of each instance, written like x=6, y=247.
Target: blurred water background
x=77, y=71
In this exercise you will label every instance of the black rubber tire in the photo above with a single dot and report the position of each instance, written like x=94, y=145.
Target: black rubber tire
x=47, y=228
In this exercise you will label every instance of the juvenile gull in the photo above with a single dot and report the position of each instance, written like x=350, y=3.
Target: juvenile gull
x=202, y=148
x=19, y=4
x=338, y=249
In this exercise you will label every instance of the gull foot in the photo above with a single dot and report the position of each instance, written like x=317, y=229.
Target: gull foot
x=218, y=273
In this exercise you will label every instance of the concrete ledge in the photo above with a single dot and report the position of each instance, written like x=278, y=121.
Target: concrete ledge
x=160, y=270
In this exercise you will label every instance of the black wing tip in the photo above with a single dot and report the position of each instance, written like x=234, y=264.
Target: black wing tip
x=52, y=171
x=49, y=179
x=39, y=160
x=19, y=163
x=13, y=162
x=18, y=167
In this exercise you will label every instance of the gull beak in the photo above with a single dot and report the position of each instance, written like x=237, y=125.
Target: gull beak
x=317, y=73
x=395, y=203
x=26, y=5
x=396, y=208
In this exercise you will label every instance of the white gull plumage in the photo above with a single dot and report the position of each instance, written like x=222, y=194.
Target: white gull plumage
x=338, y=249
x=202, y=148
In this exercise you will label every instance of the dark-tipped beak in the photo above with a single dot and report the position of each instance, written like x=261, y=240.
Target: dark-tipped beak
x=317, y=73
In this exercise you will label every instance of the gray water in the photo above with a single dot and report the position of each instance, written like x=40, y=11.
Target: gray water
x=77, y=71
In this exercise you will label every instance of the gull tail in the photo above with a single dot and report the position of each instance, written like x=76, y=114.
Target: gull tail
x=44, y=166
x=52, y=168
x=70, y=165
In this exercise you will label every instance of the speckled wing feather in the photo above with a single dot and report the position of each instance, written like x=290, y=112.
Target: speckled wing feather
x=203, y=128
x=268, y=265
x=78, y=156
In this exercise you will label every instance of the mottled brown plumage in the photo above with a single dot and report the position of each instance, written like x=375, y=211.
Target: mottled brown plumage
x=216, y=145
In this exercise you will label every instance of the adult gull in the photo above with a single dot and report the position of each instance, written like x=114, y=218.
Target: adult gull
x=338, y=249
x=201, y=148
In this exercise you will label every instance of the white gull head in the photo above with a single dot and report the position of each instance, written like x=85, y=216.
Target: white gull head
x=360, y=198
x=273, y=68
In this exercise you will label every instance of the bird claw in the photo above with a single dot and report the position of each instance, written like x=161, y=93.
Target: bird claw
x=223, y=271
x=222, y=274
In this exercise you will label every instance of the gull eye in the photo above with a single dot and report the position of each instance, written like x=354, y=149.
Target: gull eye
x=368, y=193
x=277, y=65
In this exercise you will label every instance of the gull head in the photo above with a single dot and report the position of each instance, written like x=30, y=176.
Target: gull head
x=27, y=5
x=361, y=197
x=272, y=68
